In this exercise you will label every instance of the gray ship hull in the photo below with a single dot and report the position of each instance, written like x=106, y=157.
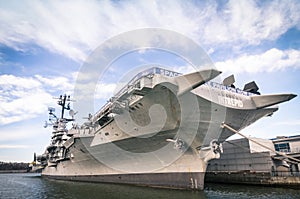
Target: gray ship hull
x=187, y=172
x=176, y=180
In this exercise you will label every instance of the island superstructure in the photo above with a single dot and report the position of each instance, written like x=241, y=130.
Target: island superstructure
x=160, y=130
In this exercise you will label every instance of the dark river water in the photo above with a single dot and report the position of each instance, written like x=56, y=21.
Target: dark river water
x=33, y=186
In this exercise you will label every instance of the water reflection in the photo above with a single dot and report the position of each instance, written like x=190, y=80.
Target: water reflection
x=33, y=186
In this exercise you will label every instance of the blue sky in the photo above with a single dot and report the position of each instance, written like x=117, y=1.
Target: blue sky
x=43, y=45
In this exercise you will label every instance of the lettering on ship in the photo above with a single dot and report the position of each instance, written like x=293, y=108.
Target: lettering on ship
x=230, y=101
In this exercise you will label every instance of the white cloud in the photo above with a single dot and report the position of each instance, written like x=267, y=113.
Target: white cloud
x=23, y=98
x=16, y=134
x=94, y=91
x=105, y=91
x=5, y=146
x=25, y=107
x=75, y=28
x=184, y=69
x=269, y=61
x=19, y=141
x=11, y=80
x=289, y=123
x=57, y=83
x=247, y=23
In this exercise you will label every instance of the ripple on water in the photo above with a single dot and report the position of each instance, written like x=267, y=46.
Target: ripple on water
x=33, y=186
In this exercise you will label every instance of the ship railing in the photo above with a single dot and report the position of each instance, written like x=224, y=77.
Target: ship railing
x=286, y=173
x=107, y=106
x=102, y=111
x=146, y=73
x=131, y=86
x=137, y=77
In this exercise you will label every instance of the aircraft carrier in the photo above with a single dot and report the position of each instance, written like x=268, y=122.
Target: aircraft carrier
x=160, y=130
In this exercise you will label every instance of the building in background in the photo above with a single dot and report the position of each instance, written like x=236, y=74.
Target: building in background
x=290, y=146
x=247, y=162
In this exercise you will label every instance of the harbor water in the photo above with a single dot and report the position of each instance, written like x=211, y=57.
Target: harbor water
x=28, y=185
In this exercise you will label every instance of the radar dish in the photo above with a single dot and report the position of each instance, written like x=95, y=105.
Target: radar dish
x=71, y=113
x=51, y=109
x=46, y=124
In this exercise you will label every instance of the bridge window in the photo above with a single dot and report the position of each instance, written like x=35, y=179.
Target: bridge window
x=283, y=147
